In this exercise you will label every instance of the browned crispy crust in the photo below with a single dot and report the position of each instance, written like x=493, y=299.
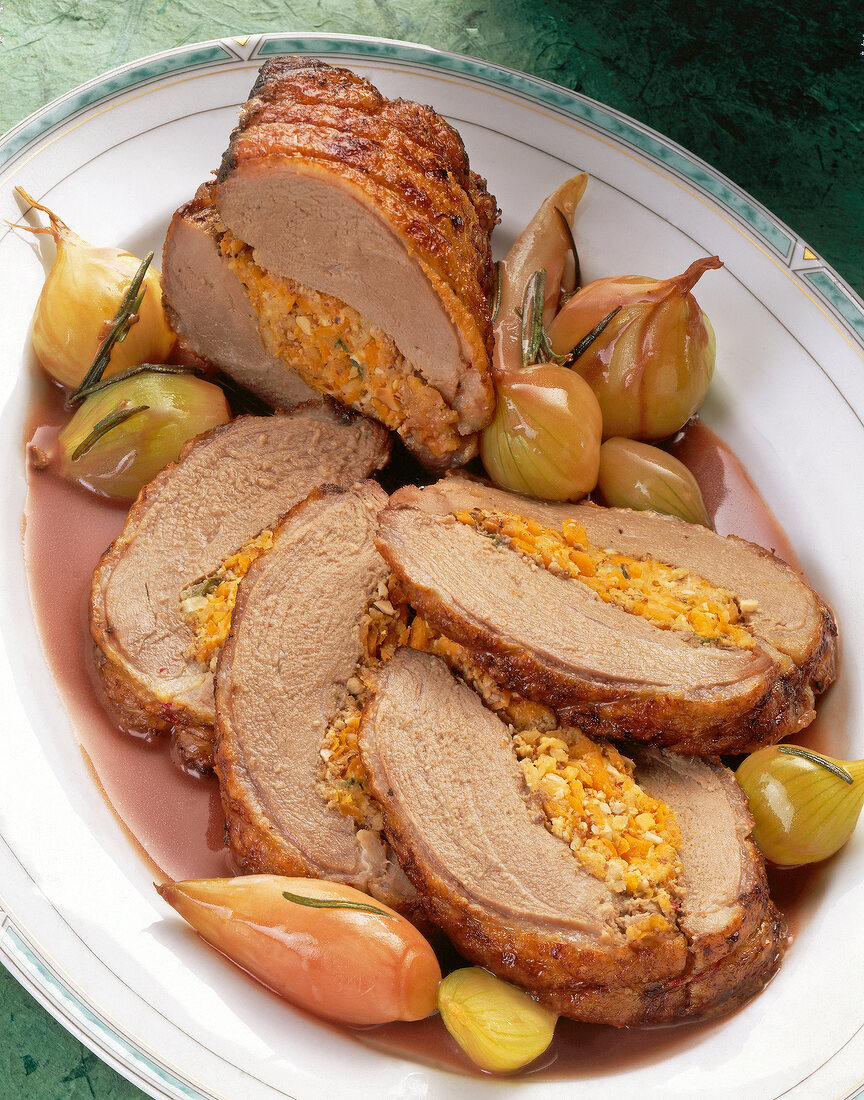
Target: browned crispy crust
x=743, y=972
x=700, y=993
x=409, y=162
x=704, y=727
x=683, y=974
x=404, y=154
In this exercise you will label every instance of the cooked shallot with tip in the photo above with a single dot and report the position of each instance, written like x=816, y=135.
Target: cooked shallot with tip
x=637, y=475
x=321, y=945
x=543, y=245
x=805, y=805
x=651, y=365
x=81, y=295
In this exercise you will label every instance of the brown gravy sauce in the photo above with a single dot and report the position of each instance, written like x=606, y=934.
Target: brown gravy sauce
x=732, y=500
x=175, y=820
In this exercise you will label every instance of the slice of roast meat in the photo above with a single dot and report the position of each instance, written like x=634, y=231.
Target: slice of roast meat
x=615, y=674
x=209, y=309
x=715, y=991
x=225, y=489
x=512, y=896
x=363, y=240
x=283, y=678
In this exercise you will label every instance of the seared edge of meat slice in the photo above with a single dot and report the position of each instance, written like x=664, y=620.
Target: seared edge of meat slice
x=225, y=488
x=512, y=897
x=612, y=673
x=282, y=678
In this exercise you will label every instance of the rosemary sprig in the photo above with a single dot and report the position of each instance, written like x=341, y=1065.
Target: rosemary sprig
x=532, y=316
x=332, y=903
x=124, y=318
x=578, y=268
x=815, y=758
x=496, y=290
x=536, y=347
x=546, y=354
x=588, y=340
x=142, y=368
x=105, y=425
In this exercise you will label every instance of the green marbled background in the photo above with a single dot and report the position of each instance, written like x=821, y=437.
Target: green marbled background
x=772, y=95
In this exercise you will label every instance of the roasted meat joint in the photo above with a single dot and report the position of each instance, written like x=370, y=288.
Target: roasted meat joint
x=354, y=240
x=491, y=710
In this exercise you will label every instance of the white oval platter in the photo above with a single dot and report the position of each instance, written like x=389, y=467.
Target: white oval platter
x=80, y=924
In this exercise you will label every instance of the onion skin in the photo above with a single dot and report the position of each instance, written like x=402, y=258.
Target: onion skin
x=501, y=1028
x=79, y=298
x=639, y=476
x=179, y=407
x=542, y=244
x=651, y=366
x=803, y=813
x=545, y=438
x=352, y=967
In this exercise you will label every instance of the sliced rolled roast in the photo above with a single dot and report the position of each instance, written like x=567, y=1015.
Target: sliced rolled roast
x=210, y=311
x=226, y=488
x=607, y=667
x=361, y=237
x=284, y=689
x=514, y=898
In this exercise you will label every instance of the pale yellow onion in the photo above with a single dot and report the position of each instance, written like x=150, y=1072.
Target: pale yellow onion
x=645, y=478
x=803, y=811
x=351, y=965
x=545, y=438
x=78, y=301
x=499, y=1027
x=542, y=244
x=179, y=406
x=652, y=364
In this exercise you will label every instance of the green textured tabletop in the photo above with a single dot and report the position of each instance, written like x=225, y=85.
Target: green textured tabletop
x=772, y=95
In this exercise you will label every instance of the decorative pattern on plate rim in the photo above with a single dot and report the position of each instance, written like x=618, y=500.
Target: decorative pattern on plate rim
x=840, y=300
x=23, y=960
x=83, y=1019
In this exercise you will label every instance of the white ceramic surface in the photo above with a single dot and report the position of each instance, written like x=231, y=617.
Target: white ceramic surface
x=80, y=924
